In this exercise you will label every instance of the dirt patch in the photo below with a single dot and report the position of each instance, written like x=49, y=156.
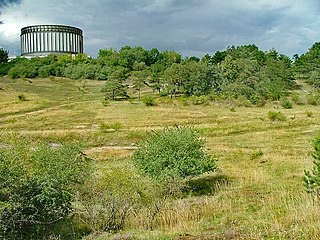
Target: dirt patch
x=227, y=235
x=109, y=148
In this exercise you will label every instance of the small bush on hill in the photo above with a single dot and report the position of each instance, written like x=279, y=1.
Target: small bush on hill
x=22, y=98
x=173, y=153
x=286, y=103
x=107, y=127
x=149, y=101
x=276, y=116
x=313, y=100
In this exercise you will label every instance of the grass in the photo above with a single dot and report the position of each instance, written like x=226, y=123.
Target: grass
x=263, y=160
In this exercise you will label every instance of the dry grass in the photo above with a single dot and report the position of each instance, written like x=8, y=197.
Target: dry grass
x=264, y=160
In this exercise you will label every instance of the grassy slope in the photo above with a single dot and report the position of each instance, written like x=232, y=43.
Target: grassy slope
x=265, y=160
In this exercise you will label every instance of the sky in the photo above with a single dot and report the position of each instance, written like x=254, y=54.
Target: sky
x=190, y=27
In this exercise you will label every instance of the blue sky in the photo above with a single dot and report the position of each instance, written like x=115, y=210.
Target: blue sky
x=191, y=27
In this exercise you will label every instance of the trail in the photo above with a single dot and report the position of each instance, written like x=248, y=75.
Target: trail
x=304, y=86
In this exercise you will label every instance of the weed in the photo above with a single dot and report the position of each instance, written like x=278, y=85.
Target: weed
x=22, y=98
x=256, y=155
x=286, y=103
x=106, y=127
x=309, y=113
x=313, y=100
x=276, y=116
x=149, y=101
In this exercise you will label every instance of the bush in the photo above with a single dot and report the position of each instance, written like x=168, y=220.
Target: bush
x=107, y=201
x=312, y=179
x=105, y=127
x=313, y=100
x=173, y=153
x=36, y=188
x=276, y=116
x=297, y=99
x=309, y=114
x=148, y=101
x=286, y=103
x=199, y=100
x=22, y=98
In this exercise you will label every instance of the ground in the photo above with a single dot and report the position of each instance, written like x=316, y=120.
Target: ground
x=261, y=162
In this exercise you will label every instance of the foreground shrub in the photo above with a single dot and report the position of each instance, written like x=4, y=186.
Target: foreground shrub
x=107, y=201
x=173, y=153
x=36, y=189
x=312, y=178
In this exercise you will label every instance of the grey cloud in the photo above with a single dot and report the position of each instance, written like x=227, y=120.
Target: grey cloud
x=5, y=3
x=187, y=26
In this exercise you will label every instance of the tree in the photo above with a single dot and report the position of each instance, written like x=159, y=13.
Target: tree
x=139, y=80
x=115, y=87
x=4, y=56
x=175, y=77
x=312, y=178
x=173, y=153
x=314, y=79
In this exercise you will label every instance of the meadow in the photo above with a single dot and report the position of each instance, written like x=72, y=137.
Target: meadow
x=257, y=192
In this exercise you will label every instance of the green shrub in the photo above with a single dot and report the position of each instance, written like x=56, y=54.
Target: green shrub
x=297, y=99
x=256, y=155
x=313, y=100
x=149, y=101
x=37, y=185
x=105, y=202
x=173, y=153
x=309, y=114
x=276, y=116
x=199, y=100
x=106, y=127
x=286, y=103
x=312, y=178
x=22, y=98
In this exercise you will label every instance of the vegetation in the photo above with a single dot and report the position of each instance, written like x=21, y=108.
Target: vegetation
x=173, y=153
x=312, y=179
x=238, y=72
x=73, y=161
x=37, y=188
x=4, y=56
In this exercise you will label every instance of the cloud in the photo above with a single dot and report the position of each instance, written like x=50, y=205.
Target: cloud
x=5, y=3
x=192, y=27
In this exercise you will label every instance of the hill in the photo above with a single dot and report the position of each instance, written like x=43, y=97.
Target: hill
x=256, y=194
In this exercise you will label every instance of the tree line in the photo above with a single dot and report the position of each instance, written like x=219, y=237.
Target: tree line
x=237, y=72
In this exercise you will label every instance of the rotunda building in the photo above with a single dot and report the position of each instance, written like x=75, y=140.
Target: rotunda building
x=42, y=40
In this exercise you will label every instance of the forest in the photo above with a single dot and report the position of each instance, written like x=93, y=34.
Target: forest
x=150, y=144
x=237, y=72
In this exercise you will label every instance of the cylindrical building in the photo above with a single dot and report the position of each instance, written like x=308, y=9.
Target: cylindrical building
x=42, y=40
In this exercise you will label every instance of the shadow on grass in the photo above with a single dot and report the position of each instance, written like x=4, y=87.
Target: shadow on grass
x=207, y=185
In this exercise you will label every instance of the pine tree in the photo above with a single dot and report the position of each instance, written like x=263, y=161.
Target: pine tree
x=312, y=178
